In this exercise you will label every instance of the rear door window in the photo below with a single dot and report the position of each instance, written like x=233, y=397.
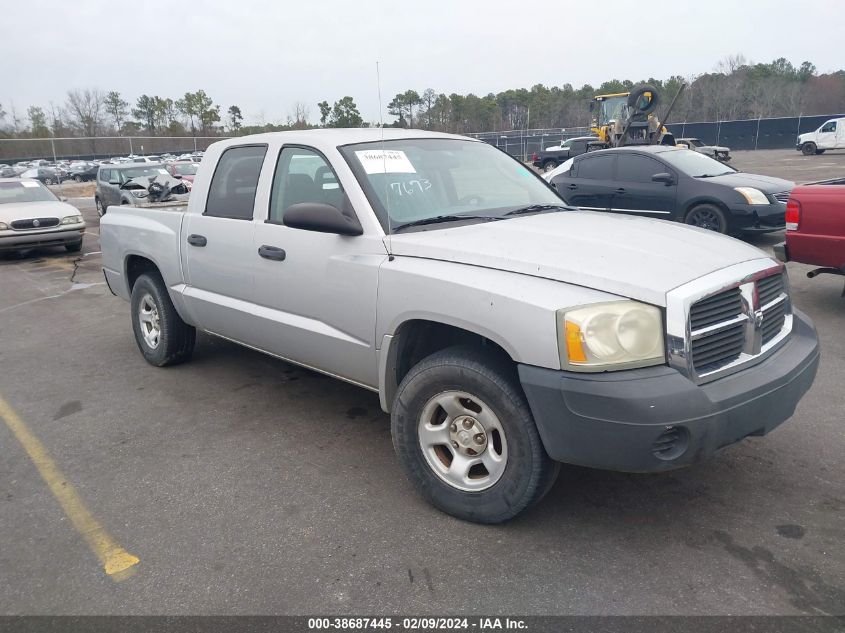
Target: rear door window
x=235, y=181
x=596, y=167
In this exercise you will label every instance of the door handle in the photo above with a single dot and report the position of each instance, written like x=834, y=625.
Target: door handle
x=572, y=187
x=272, y=252
x=620, y=190
x=197, y=240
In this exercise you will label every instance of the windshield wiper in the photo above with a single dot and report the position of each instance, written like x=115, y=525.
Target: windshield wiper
x=534, y=208
x=724, y=173
x=443, y=218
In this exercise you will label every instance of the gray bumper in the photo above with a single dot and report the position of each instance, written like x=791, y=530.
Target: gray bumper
x=34, y=239
x=655, y=419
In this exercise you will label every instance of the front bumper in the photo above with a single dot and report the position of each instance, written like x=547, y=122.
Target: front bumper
x=758, y=218
x=21, y=240
x=655, y=419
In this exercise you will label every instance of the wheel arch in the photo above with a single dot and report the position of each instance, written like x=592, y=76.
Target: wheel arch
x=418, y=338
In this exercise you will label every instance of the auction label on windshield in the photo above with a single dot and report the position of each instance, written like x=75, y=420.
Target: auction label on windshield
x=389, y=161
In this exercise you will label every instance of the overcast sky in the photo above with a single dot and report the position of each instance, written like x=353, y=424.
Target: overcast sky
x=265, y=55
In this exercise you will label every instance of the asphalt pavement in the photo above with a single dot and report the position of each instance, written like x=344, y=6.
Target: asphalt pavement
x=247, y=485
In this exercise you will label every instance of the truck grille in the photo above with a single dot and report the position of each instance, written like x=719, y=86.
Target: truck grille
x=781, y=196
x=735, y=322
x=34, y=223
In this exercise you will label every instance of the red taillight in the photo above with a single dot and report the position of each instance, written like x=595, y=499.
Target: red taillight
x=793, y=214
x=534, y=156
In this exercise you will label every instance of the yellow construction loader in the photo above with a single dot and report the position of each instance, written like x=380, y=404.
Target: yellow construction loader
x=629, y=118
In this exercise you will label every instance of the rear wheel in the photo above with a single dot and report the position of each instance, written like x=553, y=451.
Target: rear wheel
x=708, y=216
x=549, y=165
x=101, y=210
x=466, y=438
x=808, y=149
x=161, y=334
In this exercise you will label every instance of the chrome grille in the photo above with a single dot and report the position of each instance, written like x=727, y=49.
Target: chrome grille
x=769, y=289
x=34, y=223
x=781, y=196
x=734, y=325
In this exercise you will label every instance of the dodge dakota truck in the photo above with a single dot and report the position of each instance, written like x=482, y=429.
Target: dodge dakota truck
x=503, y=331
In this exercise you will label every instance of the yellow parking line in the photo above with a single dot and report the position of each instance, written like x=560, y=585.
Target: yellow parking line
x=116, y=561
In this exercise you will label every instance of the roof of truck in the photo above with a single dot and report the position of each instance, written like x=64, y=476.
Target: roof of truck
x=339, y=136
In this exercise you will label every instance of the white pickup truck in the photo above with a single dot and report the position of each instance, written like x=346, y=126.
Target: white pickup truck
x=503, y=331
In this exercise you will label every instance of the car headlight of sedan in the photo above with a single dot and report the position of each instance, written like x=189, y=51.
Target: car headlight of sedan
x=72, y=219
x=610, y=336
x=140, y=193
x=752, y=195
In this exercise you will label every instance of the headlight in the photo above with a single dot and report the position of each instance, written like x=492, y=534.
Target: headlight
x=140, y=193
x=72, y=219
x=752, y=195
x=3, y=226
x=610, y=336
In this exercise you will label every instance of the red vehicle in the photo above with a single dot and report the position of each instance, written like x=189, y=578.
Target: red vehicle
x=186, y=169
x=815, y=227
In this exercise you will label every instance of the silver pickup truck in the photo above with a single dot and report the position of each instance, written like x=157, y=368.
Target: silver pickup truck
x=503, y=331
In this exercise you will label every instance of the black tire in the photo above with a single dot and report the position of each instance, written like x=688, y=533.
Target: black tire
x=176, y=338
x=808, y=149
x=101, y=210
x=78, y=178
x=528, y=472
x=74, y=247
x=638, y=92
x=549, y=165
x=708, y=216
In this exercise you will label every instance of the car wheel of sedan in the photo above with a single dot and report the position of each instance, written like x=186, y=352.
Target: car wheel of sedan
x=708, y=216
x=808, y=149
x=466, y=438
x=78, y=178
x=161, y=334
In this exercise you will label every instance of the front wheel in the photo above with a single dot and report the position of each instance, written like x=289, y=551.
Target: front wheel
x=101, y=210
x=808, y=149
x=466, y=438
x=161, y=334
x=708, y=216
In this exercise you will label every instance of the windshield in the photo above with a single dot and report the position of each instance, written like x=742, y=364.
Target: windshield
x=696, y=142
x=610, y=109
x=25, y=191
x=695, y=164
x=139, y=172
x=419, y=179
x=184, y=169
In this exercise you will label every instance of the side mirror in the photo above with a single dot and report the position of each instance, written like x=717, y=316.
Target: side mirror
x=322, y=218
x=666, y=179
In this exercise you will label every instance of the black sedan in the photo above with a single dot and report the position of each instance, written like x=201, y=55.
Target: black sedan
x=675, y=184
x=84, y=175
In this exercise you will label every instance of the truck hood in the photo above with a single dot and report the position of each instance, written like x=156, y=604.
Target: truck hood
x=766, y=184
x=633, y=257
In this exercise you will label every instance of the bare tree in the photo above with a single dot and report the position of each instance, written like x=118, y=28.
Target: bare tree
x=85, y=112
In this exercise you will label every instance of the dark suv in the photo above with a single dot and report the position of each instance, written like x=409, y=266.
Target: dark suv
x=675, y=184
x=548, y=159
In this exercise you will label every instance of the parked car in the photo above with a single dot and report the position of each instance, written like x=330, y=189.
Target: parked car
x=675, y=184
x=183, y=169
x=146, y=159
x=31, y=216
x=503, y=331
x=131, y=184
x=815, y=227
x=84, y=173
x=47, y=175
x=7, y=171
x=719, y=152
x=551, y=157
x=829, y=135
x=21, y=167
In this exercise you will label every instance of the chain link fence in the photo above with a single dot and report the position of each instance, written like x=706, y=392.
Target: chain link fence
x=13, y=150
